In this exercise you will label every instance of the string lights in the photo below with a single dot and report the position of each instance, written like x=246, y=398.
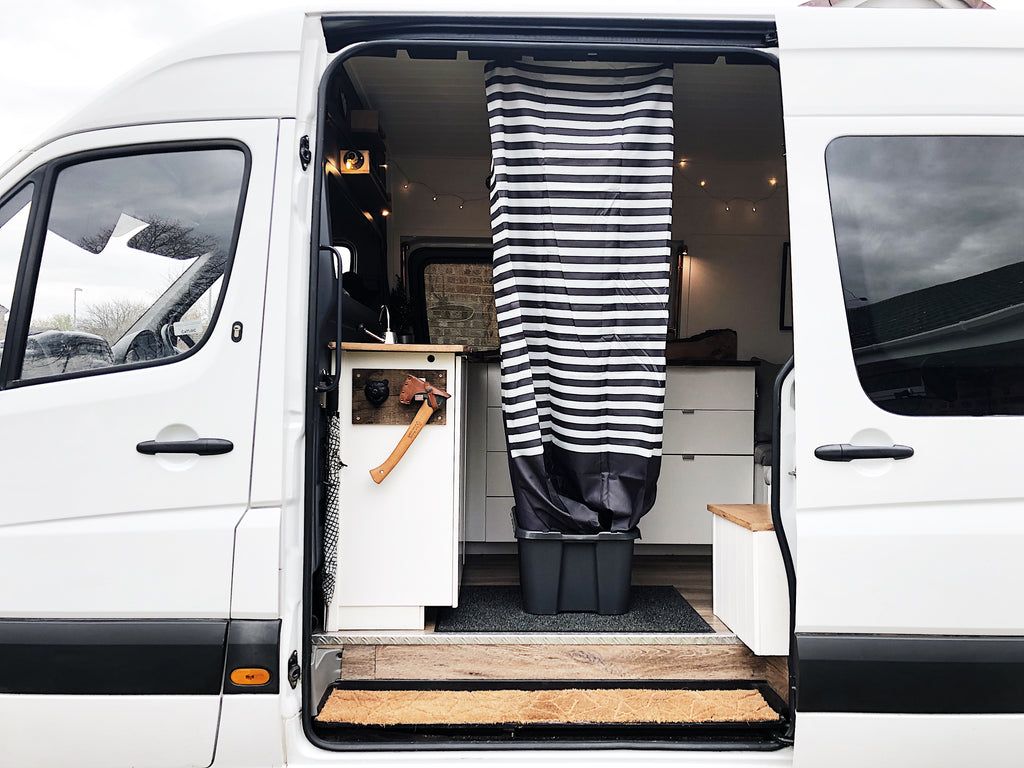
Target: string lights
x=435, y=195
x=728, y=203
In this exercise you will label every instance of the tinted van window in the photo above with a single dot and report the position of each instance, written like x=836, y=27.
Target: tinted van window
x=930, y=236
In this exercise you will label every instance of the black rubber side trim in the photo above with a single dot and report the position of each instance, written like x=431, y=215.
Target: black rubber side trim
x=109, y=657
x=932, y=675
x=253, y=644
x=342, y=31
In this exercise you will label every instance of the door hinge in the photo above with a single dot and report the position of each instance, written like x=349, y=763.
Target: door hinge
x=294, y=671
x=305, y=155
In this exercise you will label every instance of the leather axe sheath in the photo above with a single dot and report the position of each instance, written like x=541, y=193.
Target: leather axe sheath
x=414, y=390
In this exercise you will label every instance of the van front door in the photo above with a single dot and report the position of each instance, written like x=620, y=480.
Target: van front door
x=905, y=155
x=127, y=404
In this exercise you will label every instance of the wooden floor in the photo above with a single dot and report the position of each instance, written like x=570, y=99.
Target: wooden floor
x=718, y=657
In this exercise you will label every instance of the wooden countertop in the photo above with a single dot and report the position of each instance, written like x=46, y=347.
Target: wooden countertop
x=359, y=346
x=753, y=517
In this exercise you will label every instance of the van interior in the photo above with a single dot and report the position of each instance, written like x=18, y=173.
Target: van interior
x=407, y=158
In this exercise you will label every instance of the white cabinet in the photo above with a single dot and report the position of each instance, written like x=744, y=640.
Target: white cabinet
x=708, y=454
x=750, y=592
x=398, y=542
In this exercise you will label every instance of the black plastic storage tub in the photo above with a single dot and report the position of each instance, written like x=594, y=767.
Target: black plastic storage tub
x=562, y=572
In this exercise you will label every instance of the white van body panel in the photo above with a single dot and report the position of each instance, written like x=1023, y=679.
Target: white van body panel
x=107, y=731
x=167, y=520
x=924, y=547
x=243, y=70
x=936, y=741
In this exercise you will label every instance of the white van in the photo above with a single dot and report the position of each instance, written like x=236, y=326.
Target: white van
x=173, y=262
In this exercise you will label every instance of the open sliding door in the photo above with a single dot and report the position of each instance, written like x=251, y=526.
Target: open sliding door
x=905, y=153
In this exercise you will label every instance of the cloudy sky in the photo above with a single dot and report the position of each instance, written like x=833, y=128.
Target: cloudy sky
x=56, y=54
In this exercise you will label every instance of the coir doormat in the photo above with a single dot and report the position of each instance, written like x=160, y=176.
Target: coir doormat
x=499, y=609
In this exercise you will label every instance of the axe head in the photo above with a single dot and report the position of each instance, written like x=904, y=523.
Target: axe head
x=416, y=390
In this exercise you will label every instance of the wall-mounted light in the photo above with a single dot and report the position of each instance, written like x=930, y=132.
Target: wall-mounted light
x=385, y=212
x=355, y=161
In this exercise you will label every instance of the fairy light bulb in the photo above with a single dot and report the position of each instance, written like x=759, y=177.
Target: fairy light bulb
x=773, y=181
x=405, y=186
x=703, y=183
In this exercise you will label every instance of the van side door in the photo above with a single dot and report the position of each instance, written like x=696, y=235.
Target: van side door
x=134, y=263
x=905, y=154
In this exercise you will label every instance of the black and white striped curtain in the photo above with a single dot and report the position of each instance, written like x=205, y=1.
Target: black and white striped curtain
x=581, y=200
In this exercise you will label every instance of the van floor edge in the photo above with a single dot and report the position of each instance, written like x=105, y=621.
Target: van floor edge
x=380, y=709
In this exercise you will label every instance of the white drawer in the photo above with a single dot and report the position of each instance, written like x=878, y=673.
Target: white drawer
x=710, y=388
x=495, y=430
x=686, y=487
x=498, y=481
x=499, y=519
x=729, y=432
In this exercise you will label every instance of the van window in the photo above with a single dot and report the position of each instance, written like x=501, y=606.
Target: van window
x=929, y=233
x=133, y=260
x=460, y=304
x=13, y=225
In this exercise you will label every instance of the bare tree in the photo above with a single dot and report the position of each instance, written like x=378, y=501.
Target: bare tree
x=111, y=319
x=164, y=237
x=60, y=321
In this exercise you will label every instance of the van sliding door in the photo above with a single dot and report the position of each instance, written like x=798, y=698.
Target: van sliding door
x=905, y=153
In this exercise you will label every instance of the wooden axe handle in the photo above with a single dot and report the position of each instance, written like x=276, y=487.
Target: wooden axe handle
x=422, y=417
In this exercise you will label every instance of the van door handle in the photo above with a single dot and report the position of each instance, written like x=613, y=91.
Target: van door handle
x=847, y=452
x=204, y=446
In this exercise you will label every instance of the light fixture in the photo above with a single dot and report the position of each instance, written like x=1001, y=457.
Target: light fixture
x=405, y=186
x=435, y=198
x=773, y=181
x=727, y=209
x=385, y=212
x=368, y=215
x=682, y=163
x=753, y=208
x=703, y=183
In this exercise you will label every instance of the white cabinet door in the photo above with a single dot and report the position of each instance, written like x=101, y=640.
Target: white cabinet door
x=121, y=560
x=904, y=146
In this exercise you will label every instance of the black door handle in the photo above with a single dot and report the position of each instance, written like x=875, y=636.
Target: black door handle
x=204, y=446
x=847, y=452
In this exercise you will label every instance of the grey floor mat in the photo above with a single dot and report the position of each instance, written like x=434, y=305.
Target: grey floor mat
x=500, y=609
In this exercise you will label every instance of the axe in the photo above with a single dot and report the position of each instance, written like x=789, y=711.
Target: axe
x=415, y=390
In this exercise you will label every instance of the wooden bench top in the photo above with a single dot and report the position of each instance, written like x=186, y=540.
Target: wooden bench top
x=753, y=517
x=361, y=346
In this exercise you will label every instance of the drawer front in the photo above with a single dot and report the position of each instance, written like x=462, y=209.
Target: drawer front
x=499, y=483
x=499, y=519
x=710, y=388
x=729, y=432
x=495, y=430
x=494, y=384
x=686, y=487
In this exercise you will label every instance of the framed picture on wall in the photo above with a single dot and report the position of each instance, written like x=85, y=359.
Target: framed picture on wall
x=786, y=292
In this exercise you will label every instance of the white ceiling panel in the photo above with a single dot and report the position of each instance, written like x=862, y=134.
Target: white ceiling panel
x=431, y=108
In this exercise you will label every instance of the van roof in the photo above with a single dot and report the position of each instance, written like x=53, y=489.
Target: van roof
x=251, y=68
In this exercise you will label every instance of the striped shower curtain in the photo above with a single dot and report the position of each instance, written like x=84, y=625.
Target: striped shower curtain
x=581, y=199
